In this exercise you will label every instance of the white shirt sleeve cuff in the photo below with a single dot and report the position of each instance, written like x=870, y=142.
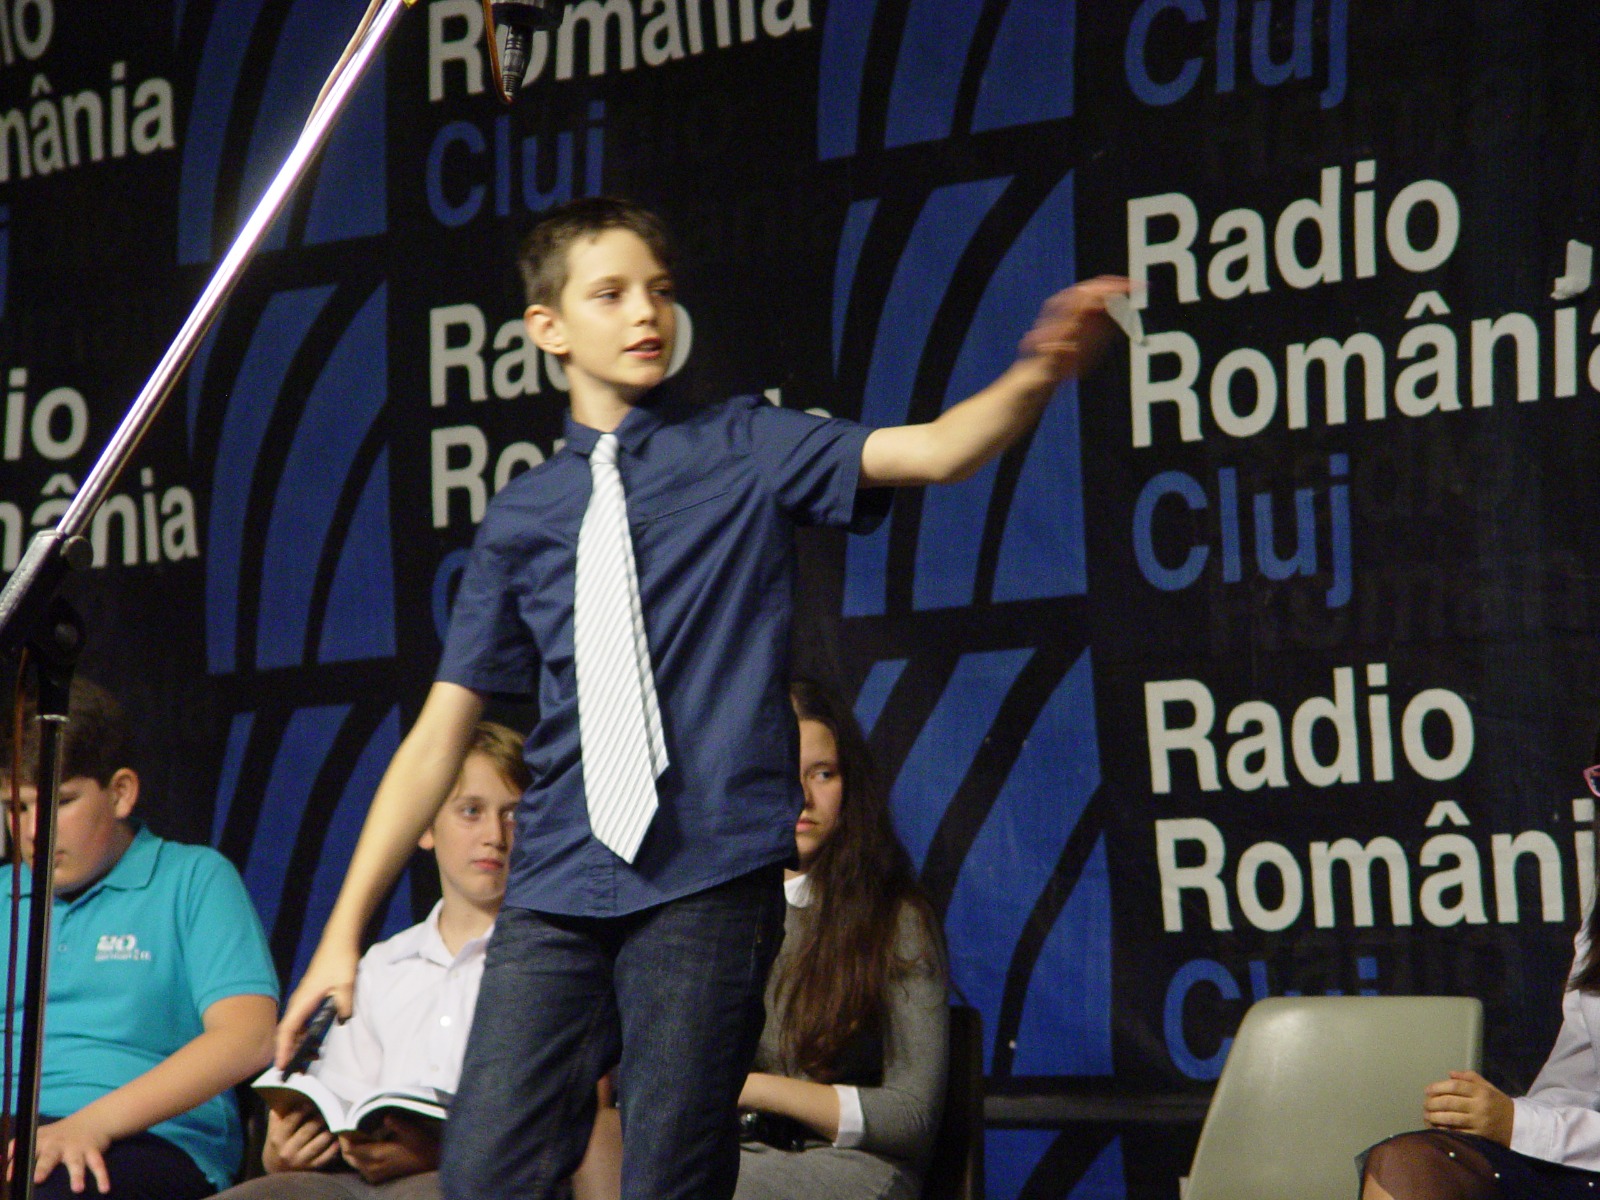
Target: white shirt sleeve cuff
x=1532, y=1130
x=852, y=1125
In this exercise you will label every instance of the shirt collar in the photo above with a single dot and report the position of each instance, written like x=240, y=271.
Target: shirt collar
x=133, y=871
x=642, y=420
x=425, y=942
x=797, y=891
x=137, y=866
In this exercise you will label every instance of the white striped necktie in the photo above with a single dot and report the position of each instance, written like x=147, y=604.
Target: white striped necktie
x=619, y=720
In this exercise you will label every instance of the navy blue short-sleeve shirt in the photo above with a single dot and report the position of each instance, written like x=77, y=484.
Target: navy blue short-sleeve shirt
x=714, y=494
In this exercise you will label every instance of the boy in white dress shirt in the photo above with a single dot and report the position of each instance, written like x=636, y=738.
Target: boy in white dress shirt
x=416, y=994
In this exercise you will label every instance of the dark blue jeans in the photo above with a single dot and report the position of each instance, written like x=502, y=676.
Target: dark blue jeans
x=672, y=996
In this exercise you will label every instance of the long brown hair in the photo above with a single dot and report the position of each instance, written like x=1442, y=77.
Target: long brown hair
x=834, y=987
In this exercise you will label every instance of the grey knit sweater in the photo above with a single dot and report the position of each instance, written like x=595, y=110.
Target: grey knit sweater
x=901, y=1115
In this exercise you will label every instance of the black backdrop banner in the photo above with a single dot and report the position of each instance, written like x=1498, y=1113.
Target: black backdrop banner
x=1265, y=665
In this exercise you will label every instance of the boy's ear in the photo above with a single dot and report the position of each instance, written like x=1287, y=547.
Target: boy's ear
x=544, y=326
x=124, y=789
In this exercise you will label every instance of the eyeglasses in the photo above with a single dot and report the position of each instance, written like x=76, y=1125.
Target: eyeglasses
x=1591, y=776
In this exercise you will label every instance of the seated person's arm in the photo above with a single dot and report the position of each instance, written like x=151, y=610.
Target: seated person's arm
x=901, y=1116
x=815, y=1105
x=1071, y=332
x=297, y=1139
x=419, y=777
x=236, y=1042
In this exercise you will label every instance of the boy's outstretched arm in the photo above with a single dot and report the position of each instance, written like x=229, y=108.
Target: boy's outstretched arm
x=1071, y=332
x=420, y=776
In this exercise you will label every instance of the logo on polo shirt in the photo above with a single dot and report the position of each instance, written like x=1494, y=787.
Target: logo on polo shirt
x=120, y=947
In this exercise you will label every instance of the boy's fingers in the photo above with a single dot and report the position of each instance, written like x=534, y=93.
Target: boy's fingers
x=327, y=1154
x=102, y=1177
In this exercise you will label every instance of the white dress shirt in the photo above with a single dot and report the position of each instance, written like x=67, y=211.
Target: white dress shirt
x=413, y=1010
x=852, y=1124
x=1557, y=1120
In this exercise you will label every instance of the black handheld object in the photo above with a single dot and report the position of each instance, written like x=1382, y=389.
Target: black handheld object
x=521, y=18
x=316, y=1029
x=782, y=1133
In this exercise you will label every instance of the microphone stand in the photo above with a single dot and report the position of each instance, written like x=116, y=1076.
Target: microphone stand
x=28, y=612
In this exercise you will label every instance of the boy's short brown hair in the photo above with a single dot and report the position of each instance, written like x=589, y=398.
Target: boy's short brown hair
x=94, y=743
x=503, y=748
x=544, y=254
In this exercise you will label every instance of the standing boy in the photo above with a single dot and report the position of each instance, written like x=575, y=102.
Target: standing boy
x=639, y=583
x=162, y=994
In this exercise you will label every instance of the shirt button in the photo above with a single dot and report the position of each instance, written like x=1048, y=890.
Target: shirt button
x=444, y=1020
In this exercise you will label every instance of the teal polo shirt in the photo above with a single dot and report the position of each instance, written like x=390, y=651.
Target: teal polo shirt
x=137, y=959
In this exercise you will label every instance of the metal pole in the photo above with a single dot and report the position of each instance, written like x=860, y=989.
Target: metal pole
x=52, y=723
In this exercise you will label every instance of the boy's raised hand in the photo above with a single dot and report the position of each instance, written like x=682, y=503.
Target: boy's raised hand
x=1073, y=327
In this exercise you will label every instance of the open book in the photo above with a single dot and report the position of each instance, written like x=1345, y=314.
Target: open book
x=366, y=1113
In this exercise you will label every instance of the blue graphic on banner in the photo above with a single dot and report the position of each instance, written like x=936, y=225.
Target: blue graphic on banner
x=1012, y=859
x=875, y=689
x=359, y=622
x=232, y=764
x=950, y=738
x=304, y=748
x=340, y=840
x=1066, y=1020
x=851, y=239
x=1048, y=552
x=195, y=379
x=1011, y=1156
x=1043, y=550
x=927, y=79
x=1030, y=73
x=277, y=339
x=221, y=61
x=942, y=233
x=350, y=199
x=844, y=62
x=1104, y=1180
x=346, y=399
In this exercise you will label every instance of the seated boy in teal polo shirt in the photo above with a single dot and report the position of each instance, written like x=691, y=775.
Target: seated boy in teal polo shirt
x=162, y=992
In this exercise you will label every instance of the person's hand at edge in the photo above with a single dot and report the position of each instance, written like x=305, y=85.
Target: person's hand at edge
x=1468, y=1103
x=79, y=1145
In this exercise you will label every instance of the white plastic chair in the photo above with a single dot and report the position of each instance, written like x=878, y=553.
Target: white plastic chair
x=1311, y=1081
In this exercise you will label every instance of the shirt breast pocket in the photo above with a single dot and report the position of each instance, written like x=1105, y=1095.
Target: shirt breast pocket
x=692, y=504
